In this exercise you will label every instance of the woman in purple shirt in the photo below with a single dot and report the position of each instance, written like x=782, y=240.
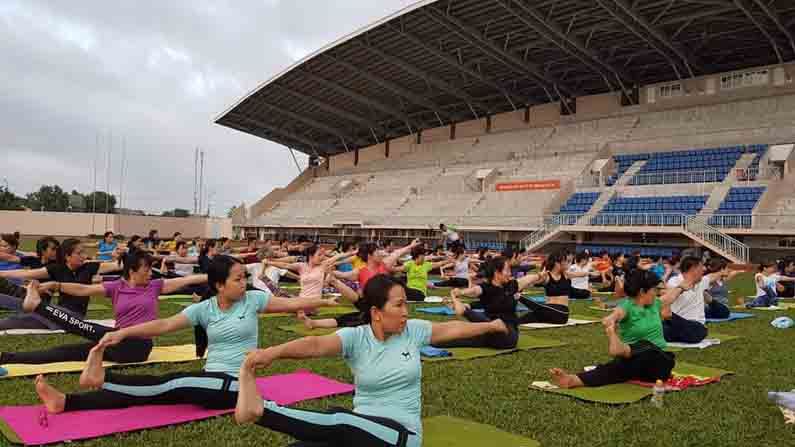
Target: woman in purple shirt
x=135, y=301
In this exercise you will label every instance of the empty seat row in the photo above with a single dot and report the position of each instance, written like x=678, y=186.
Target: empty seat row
x=595, y=250
x=741, y=200
x=579, y=203
x=646, y=205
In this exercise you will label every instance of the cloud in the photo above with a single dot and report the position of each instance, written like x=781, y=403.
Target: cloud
x=80, y=78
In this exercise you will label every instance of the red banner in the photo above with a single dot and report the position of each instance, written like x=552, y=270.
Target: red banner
x=528, y=186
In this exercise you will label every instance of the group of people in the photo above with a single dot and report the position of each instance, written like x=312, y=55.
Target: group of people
x=376, y=339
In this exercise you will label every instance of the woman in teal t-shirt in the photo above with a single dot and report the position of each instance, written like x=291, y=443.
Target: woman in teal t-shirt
x=384, y=356
x=638, y=345
x=231, y=321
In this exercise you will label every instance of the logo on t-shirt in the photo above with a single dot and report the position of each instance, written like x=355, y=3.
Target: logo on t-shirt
x=406, y=355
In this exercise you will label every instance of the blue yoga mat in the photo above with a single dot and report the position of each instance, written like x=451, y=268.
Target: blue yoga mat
x=430, y=351
x=732, y=317
x=444, y=310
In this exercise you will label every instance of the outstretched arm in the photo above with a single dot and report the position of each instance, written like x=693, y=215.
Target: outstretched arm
x=76, y=289
x=472, y=292
x=149, y=329
x=172, y=285
x=456, y=330
x=390, y=260
x=533, y=278
x=41, y=273
x=279, y=305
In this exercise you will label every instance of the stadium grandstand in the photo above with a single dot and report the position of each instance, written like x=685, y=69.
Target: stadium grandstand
x=612, y=124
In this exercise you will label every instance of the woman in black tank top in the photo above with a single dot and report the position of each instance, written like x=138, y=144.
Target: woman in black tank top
x=557, y=288
x=498, y=295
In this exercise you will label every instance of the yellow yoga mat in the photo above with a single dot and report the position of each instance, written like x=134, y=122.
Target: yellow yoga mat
x=160, y=354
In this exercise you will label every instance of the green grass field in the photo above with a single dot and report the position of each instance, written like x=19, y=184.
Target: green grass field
x=495, y=391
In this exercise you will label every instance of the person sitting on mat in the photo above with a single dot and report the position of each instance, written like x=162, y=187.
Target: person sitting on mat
x=498, y=295
x=555, y=278
x=716, y=297
x=767, y=282
x=687, y=323
x=417, y=273
x=637, y=344
x=460, y=266
x=71, y=267
x=580, y=273
x=377, y=262
x=230, y=319
x=135, y=300
x=351, y=319
x=384, y=356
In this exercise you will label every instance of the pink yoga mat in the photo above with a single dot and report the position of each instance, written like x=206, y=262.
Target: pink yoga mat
x=33, y=426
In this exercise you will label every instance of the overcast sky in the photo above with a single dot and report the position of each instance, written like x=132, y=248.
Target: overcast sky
x=154, y=74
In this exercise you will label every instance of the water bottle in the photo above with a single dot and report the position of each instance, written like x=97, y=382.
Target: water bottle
x=783, y=399
x=657, y=394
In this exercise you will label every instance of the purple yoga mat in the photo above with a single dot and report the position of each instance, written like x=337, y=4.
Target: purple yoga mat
x=33, y=426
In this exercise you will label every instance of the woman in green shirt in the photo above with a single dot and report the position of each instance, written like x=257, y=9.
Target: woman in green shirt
x=637, y=345
x=417, y=273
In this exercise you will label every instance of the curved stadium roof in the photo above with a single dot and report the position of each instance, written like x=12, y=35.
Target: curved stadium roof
x=446, y=61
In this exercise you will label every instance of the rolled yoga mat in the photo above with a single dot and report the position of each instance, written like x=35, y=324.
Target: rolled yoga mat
x=31, y=425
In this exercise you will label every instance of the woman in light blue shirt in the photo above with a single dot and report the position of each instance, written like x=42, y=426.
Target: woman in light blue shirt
x=231, y=321
x=384, y=356
x=106, y=247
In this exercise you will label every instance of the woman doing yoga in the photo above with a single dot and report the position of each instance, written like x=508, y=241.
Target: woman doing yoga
x=460, y=265
x=230, y=319
x=384, y=356
x=417, y=273
x=135, y=301
x=71, y=267
x=498, y=295
x=635, y=337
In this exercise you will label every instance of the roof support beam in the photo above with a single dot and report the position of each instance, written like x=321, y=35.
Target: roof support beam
x=394, y=88
x=777, y=20
x=358, y=97
x=495, y=51
x=352, y=117
x=275, y=129
x=570, y=44
x=453, y=62
x=438, y=83
x=744, y=8
x=308, y=121
x=647, y=32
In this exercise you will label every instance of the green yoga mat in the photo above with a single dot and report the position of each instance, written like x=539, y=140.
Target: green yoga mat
x=447, y=431
x=627, y=393
x=712, y=335
x=526, y=343
x=300, y=329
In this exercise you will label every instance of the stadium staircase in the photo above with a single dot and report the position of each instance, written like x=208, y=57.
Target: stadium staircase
x=696, y=227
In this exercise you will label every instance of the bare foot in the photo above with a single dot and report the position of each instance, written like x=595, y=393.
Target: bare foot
x=565, y=380
x=54, y=401
x=93, y=376
x=32, y=298
x=308, y=322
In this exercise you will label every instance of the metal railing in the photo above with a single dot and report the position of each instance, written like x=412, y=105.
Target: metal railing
x=723, y=243
x=756, y=174
x=676, y=177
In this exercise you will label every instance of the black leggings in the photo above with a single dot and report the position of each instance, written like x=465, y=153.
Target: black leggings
x=717, y=310
x=647, y=362
x=492, y=340
x=453, y=282
x=130, y=350
x=579, y=294
x=217, y=391
x=681, y=330
x=544, y=313
x=414, y=295
x=336, y=427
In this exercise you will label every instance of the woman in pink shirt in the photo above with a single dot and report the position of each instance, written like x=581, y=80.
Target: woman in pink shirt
x=135, y=300
x=313, y=271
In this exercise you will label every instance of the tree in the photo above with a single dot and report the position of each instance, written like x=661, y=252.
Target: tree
x=176, y=212
x=10, y=201
x=48, y=198
x=105, y=202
